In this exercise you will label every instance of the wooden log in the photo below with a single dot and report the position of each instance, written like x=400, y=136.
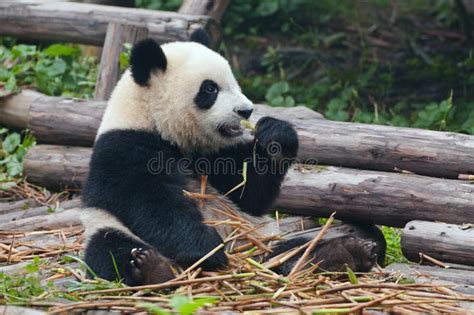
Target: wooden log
x=386, y=198
x=87, y=23
x=12, y=206
x=109, y=70
x=67, y=218
x=38, y=211
x=53, y=119
x=57, y=167
x=57, y=120
x=212, y=8
x=364, y=146
x=462, y=280
x=442, y=241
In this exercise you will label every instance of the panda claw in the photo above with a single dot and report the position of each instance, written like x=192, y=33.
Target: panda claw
x=370, y=244
x=149, y=267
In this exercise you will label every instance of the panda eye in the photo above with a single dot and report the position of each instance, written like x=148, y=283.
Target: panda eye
x=209, y=87
x=207, y=95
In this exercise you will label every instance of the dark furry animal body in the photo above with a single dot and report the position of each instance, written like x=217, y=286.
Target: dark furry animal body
x=136, y=177
x=148, y=199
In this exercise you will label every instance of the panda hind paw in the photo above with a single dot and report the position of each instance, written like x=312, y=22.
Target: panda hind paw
x=358, y=254
x=149, y=267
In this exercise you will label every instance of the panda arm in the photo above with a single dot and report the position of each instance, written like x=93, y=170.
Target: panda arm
x=268, y=158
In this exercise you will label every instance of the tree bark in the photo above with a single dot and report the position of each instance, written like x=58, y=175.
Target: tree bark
x=57, y=167
x=212, y=8
x=384, y=198
x=57, y=220
x=440, y=154
x=461, y=280
x=53, y=120
x=87, y=23
x=109, y=71
x=442, y=241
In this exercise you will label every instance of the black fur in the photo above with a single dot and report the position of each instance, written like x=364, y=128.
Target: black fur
x=146, y=56
x=108, y=245
x=207, y=94
x=331, y=255
x=265, y=171
x=134, y=175
x=124, y=179
x=357, y=245
x=202, y=37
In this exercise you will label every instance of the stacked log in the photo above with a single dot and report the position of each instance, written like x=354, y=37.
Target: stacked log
x=372, y=147
x=383, y=198
x=87, y=23
x=366, y=188
x=448, y=243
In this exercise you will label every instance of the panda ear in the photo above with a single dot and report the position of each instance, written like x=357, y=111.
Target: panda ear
x=202, y=37
x=146, y=57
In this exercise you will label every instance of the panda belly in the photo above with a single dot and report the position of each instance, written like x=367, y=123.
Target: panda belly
x=218, y=211
x=225, y=216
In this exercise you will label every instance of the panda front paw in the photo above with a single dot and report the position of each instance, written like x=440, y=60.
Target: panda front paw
x=276, y=138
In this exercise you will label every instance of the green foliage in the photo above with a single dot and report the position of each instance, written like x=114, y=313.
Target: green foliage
x=164, y=5
x=57, y=70
x=277, y=94
x=125, y=56
x=434, y=115
x=21, y=288
x=254, y=16
x=180, y=305
x=393, y=253
x=13, y=149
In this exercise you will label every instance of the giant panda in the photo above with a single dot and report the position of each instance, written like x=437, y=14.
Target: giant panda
x=179, y=104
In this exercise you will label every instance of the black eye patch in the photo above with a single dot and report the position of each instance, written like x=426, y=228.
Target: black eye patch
x=207, y=94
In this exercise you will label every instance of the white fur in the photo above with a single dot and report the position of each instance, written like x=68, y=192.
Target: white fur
x=167, y=104
x=95, y=219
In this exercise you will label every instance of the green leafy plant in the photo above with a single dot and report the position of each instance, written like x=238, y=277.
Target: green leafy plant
x=278, y=94
x=13, y=149
x=393, y=252
x=124, y=57
x=59, y=69
x=435, y=115
x=18, y=288
x=164, y=5
x=180, y=305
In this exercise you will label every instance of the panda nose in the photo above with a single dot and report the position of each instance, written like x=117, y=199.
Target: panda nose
x=245, y=113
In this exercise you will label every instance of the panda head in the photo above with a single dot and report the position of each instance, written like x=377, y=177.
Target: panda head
x=184, y=91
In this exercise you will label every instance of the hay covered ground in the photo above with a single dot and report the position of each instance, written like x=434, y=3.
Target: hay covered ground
x=40, y=268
